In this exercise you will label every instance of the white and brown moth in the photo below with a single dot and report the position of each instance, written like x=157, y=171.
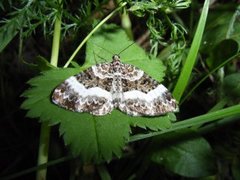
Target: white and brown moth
x=103, y=87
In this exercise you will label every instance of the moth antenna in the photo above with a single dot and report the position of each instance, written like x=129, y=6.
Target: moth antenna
x=95, y=59
x=104, y=49
x=94, y=54
x=126, y=48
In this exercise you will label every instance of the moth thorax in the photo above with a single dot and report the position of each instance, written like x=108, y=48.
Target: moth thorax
x=116, y=63
x=116, y=58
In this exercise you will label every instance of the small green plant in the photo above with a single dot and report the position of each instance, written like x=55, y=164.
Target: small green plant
x=174, y=143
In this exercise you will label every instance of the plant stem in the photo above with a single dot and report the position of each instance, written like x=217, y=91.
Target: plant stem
x=43, y=150
x=126, y=22
x=56, y=41
x=91, y=33
x=45, y=129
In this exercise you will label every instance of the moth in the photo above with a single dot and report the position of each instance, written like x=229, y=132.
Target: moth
x=103, y=87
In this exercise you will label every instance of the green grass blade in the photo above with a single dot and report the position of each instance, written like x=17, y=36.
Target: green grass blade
x=195, y=121
x=191, y=58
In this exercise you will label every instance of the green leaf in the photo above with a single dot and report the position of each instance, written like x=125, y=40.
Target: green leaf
x=12, y=26
x=8, y=32
x=222, y=51
x=153, y=123
x=140, y=8
x=96, y=138
x=221, y=25
x=231, y=86
x=190, y=157
x=43, y=64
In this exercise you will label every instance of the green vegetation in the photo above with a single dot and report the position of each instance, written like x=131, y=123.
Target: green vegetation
x=189, y=47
